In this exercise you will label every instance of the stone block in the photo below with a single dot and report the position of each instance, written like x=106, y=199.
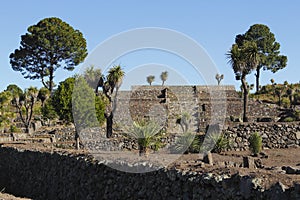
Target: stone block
x=248, y=162
x=207, y=158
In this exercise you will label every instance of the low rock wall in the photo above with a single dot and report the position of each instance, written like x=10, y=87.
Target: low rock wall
x=43, y=175
x=274, y=135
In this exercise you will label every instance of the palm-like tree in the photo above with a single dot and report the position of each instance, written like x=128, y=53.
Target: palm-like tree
x=164, y=77
x=43, y=95
x=219, y=78
x=24, y=105
x=243, y=59
x=91, y=75
x=109, y=84
x=150, y=79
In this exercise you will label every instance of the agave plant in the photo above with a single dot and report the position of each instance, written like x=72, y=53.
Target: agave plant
x=219, y=141
x=186, y=143
x=145, y=133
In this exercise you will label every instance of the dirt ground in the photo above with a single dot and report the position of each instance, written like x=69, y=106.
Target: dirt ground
x=4, y=196
x=270, y=173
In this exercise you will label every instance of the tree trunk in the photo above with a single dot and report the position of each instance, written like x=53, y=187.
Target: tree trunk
x=77, y=142
x=257, y=78
x=142, y=150
x=27, y=130
x=279, y=100
x=245, y=104
x=109, y=125
x=51, y=79
x=291, y=101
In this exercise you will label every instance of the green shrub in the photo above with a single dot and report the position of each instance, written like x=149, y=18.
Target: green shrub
x=285, y=102
x=255, y=141
x=186, y=143
x=220, y=141
x=288, y=119
x=146, y=135
x=48, y=110
x=14, y=129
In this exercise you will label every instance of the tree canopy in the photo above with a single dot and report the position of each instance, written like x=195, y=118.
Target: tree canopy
x=243, y=58
x=47, y=46
x=150, y=79
x=164, y=77
x=268, y=49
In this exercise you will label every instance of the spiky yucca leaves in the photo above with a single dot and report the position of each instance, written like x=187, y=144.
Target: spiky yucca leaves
x=150, y=79
x=219, y=142
x=145, y=133
x=187, y=142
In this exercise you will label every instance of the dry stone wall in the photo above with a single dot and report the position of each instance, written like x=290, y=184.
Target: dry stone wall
x=43, y=175
x=168, y=103
x=274, y=135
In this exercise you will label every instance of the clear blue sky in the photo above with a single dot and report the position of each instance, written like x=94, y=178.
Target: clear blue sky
x=213, y=24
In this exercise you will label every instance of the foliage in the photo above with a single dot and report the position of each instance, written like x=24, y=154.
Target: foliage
x=243, y=57
x=184, y=121
x=62, y=100
x=43, y=95
x=268, y=49
x=285, y=95
x=187, y=142
x=88, y=109
x=255, y=141
x=150, y=79
x=14, y=90
x=100, y=105
x=288, y=119
x=5, y=113
x=164, y=77
x=220, y=142
x=14, y=129
x=92, y=76
x=48, y=110
x=145, y=133
x=24, y=103
x=219, y=78
x=110, y=85
x=47, y=46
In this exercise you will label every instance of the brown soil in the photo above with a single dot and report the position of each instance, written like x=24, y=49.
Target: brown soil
x=4, y=196
x=270, y=173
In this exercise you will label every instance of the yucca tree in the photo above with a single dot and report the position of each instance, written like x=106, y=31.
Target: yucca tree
x=164, y=77
x=150, y=79
x=219, y=78
x=290, y=93
x=92, y=75
x=43, y=95
x=111, y=85
x=24, y=105
x=243, y=58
